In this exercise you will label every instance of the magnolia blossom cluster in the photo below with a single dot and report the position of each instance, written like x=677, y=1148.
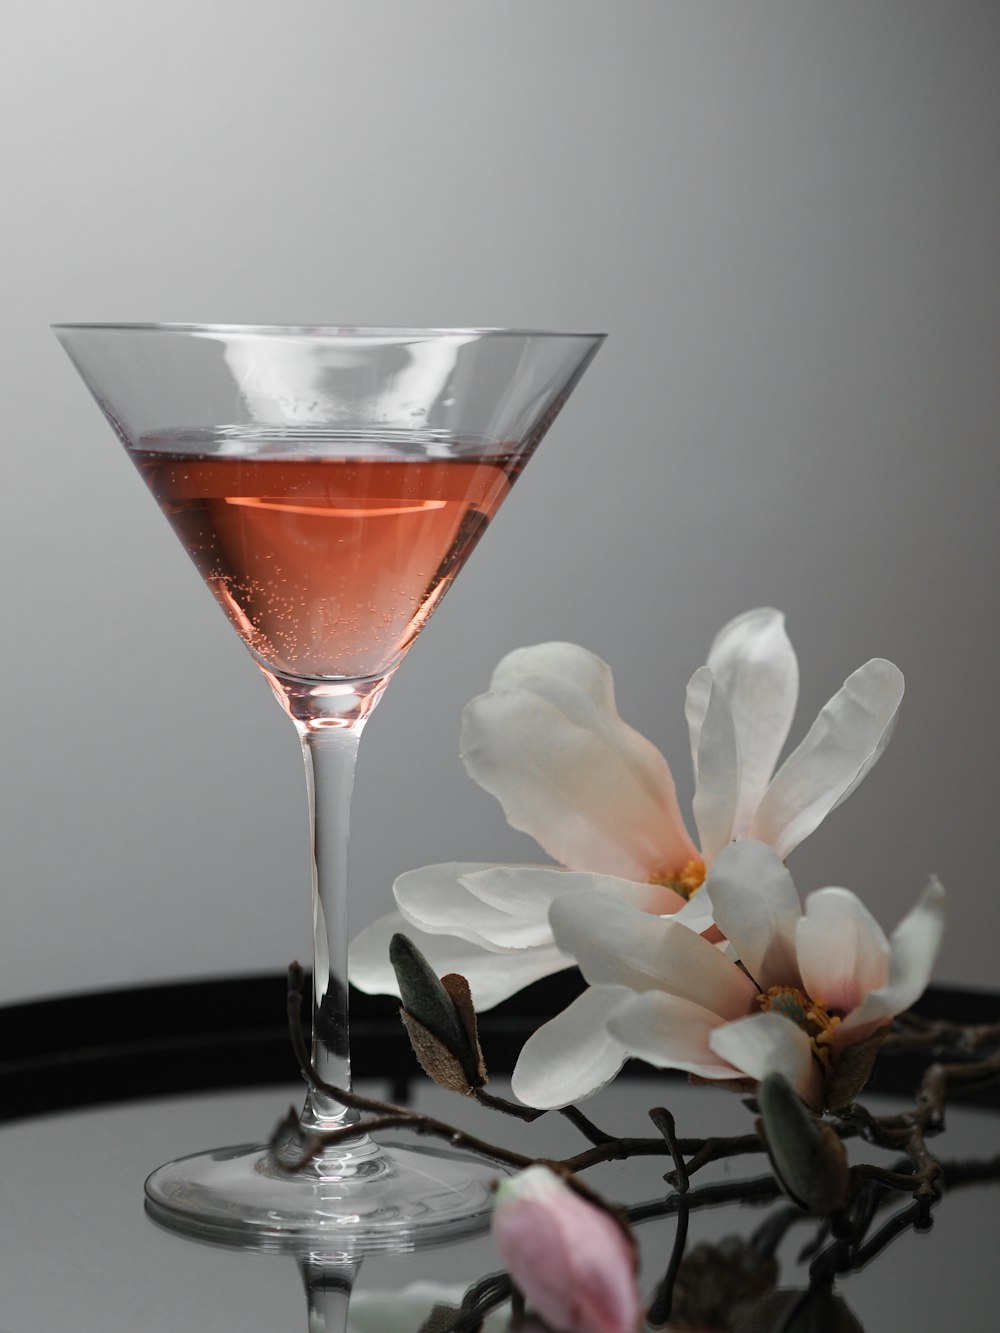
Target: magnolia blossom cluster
x=696, y=950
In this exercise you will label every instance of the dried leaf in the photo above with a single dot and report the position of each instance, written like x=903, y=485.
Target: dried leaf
x=853, y=1069
x=461, y=996
x=436, y=1060
x=428, y=1001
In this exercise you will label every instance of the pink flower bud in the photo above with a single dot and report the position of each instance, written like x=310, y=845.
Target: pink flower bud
x=570, y=1259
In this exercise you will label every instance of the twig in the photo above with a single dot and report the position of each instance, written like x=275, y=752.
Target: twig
x=665, y=1123
x=844, y=1257
x=908, y=1132
x=659, y=1310
x=526, y=1113
x=532, y=1113
x=713, y=1149
x=312, y=1144
x=896, y=1180
x=938, y=1036
x=586, y=1126
x=760, y=1189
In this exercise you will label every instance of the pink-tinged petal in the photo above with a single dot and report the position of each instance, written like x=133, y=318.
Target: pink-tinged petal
x=616, y=945
x=756, y=906
x=754, y=665
x=492, y=976
x=913, y=950
x=573, y=1055
x=435, y=899
x=717, y=768
x=570, y=1258
x=548, y=743
x=528, y=891
x=843, y=952
x=670, y=1033
x=847, y=738
x=768, y=1043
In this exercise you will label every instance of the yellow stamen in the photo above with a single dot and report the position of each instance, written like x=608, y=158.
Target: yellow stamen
x=687, y=881
x=808, y=1013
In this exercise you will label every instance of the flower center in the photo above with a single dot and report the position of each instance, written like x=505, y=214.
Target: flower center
x=810, y=1015
x=687, y=881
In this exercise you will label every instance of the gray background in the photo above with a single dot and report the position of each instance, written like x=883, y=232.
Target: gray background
x=785, y=215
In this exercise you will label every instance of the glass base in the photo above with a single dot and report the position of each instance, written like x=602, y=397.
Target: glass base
x=374, y=1197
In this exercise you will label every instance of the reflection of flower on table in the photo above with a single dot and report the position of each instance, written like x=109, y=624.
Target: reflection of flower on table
x=408, y=1309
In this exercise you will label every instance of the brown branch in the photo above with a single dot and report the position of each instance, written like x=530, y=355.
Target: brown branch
x=906, y=1132
x=393, y=1117
x=714, y=1149
x=662, y=1303
x=586, y=1126
x=896, y=1180
x=665, y=1123
x=532, y=1113
x=939, y=1036
x=526, y=1113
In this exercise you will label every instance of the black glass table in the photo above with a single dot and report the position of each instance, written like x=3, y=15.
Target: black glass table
x=97, y=1090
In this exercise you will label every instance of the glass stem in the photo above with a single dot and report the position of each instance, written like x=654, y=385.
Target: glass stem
x=330, y=755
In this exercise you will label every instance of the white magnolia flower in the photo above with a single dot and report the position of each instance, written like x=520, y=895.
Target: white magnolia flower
x=790, y=993
x=599, y=798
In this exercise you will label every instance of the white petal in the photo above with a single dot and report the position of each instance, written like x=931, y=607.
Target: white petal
x=548, y=743
x=435, y=899
x=846, y=739
x=913, y=950
x=843, y=952
x=615, y=945
x=767, y=1043
x=699, y=690
x=575, y=680
x=697, y=913
x=756, y=906
x=717, y=767
x=754, y=665
x=492, y=976
x=528, y=892
x=573, y=1055
x=670, y=1033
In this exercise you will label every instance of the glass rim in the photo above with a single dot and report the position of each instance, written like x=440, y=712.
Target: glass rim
x=319, y=330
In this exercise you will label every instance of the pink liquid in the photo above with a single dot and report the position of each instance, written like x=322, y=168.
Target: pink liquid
x=328, y=567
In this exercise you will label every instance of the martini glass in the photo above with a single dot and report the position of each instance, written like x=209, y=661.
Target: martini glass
x=328, y=484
